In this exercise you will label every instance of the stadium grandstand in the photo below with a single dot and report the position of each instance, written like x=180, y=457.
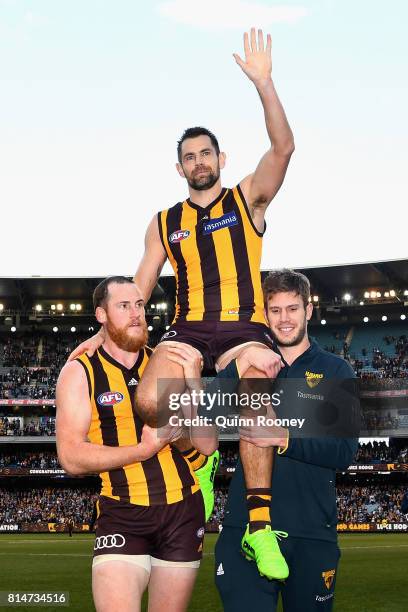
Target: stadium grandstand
x=360, y=313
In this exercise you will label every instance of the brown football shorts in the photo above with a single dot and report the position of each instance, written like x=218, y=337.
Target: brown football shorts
x=172, y=532
x=213, y=338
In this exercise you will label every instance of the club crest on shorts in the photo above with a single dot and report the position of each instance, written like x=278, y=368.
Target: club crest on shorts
x=200, y=532
x=110, y=398
x=268, y=338
x=169, y=334
x=313, y=379
x=328, y=578
x=178, y=236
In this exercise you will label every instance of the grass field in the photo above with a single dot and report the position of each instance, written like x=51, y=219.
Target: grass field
x=373, y=575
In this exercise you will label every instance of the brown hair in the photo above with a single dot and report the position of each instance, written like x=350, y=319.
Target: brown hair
x=286, y=281
x=193, y=132
x=100, y=295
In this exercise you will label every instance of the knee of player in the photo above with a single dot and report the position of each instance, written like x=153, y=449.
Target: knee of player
x=253, y=372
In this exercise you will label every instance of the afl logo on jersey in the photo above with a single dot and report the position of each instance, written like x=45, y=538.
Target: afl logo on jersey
x=179, y=236
x=110, y=398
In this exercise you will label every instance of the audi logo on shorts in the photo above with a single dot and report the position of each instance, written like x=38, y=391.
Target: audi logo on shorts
x=109, y=541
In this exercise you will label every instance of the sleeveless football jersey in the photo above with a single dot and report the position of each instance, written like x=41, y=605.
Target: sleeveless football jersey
x=165, y=478
x=216, y=256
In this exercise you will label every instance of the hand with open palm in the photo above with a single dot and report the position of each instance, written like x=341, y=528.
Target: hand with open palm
x=258, y=58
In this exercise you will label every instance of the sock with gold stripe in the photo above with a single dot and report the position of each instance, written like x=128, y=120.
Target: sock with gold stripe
x=258, y=503
x=197, y=460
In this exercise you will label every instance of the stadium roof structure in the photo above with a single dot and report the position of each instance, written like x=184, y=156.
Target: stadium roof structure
x=332, y=281
x=20, y=295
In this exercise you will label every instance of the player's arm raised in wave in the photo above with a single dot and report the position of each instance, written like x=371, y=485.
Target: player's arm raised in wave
x=146, y=277
x=76, y=454
x=260, y=188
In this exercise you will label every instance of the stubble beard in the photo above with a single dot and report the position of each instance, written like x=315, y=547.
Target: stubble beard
x=295, y=341
x=206, y=182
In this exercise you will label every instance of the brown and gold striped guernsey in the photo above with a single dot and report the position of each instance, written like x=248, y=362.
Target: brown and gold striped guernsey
x=216, y=256
x=167, y=477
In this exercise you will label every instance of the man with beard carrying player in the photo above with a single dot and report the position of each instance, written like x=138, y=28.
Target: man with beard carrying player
x=150, y=523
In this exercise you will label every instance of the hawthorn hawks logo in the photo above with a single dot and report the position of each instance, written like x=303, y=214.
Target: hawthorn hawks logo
x=312, y=378
x=328, y=578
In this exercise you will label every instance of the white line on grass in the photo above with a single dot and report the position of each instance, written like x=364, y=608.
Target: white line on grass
x=48, y=554
x=372, y=547
x=67, y=554
x=206, y=554
x=42, y=541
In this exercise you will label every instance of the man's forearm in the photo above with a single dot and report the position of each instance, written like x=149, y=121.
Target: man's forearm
x=85, y=457
x=277, y=125
x=146, y=284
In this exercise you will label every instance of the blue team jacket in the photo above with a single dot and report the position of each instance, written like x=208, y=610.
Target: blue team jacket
x=303, y=483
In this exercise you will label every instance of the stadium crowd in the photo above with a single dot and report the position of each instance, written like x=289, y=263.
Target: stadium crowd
x=50, y=505
x=20, y=353
x=228, y=457
x=379, y=452
x=390, y=371
x=355, y=504
x=220, y=501
x=29, y=366
x=14, y=426
x=375, y=421
x=368, y=452
x=33, y=383
x=370, y=504
x=374, y=381
x=374, y=503
x=21, y=459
